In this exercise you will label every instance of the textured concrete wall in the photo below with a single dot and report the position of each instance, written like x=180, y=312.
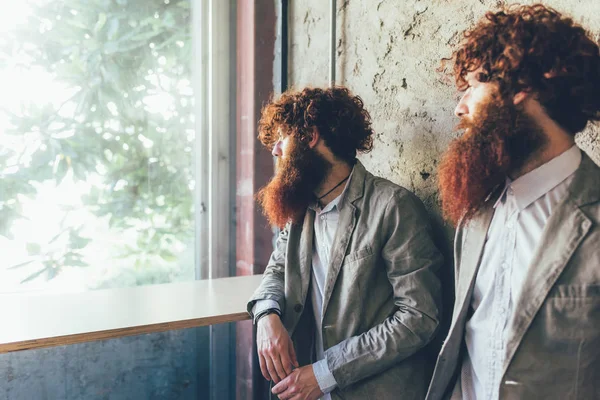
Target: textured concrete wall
x=388, y=52
x=170, y=365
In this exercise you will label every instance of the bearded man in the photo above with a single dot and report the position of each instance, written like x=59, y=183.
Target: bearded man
x=526, y=320
x=350, y=294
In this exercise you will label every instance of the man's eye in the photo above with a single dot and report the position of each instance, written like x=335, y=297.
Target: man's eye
x=483, y=77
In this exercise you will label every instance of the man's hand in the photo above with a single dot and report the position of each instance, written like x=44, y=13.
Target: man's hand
x=276, y=352
x=301, y=384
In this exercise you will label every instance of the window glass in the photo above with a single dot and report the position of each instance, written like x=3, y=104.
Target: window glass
x=96, y=144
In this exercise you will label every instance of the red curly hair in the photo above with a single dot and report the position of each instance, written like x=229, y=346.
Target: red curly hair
x=340, y=117
x=536, y=49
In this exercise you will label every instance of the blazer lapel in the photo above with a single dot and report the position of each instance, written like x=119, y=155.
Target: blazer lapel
x=305, y=251
x=471, y=251
x=346, y=224
x=344, y=231
x=563, y=233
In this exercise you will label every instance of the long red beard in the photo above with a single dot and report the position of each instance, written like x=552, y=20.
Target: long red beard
x=287, y=196
x=499, y=140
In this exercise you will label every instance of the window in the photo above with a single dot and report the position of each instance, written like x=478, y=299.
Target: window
x=128, y=156
x=103, y=136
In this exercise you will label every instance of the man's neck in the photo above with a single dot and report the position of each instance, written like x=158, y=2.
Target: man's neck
x=339, y=171
x=558, y=141
x=541, y=158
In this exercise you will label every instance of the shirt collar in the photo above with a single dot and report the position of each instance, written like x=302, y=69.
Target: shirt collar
x=337, y=202
x=534, y=184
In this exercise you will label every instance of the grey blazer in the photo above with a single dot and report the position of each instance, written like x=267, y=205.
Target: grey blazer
x=553, y=347
x=381, y=296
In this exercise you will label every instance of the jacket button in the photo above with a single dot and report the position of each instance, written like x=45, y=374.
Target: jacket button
x=298, y=308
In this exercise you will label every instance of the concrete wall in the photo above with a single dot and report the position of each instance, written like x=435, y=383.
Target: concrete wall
x=170, y=365
x=388, y=52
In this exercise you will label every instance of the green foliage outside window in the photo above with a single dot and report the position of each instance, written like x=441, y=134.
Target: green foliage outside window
x=124, y=133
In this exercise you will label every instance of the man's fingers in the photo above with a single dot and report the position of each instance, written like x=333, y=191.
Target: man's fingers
x=286, y=362
x=281, y=372
x=280, y=387
x=287, y=396
x=263, y=367
x=271, y=368
x=293, y=357
x=284, y=390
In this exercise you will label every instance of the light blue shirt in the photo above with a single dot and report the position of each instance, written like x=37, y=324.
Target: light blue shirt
x=325, y=227
x=512, y=239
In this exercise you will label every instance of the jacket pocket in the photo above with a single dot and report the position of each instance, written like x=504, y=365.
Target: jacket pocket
x=357, y=255
x=573, y=312
x=559, y=357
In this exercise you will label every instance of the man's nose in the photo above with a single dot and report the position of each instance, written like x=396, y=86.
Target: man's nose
x=277, y=149
x=461, y=108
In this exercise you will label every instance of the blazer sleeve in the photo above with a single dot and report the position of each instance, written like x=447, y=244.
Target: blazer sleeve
x=411, y=261
x=272, y=286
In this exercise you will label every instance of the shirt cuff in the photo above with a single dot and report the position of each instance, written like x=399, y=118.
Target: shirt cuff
x=324, y=376
x=262, y=305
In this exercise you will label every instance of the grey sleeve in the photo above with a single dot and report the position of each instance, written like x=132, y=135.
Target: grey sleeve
x=272, y=285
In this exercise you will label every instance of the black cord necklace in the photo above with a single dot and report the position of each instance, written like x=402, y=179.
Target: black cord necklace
x=335, y=187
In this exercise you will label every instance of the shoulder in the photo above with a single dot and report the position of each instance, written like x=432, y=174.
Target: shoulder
x=390, y=195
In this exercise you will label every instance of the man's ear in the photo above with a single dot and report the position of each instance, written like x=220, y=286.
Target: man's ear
x=520, y=97
x=315, y=136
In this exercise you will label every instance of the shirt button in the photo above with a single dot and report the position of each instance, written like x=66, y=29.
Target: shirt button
x=509, y=225
x=298, y=308
x=504, y=265
x=322, y=217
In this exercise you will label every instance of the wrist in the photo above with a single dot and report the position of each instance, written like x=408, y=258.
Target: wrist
x=270, y=318
x=269, y=314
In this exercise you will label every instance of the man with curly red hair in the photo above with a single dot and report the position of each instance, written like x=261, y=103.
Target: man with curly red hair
x=526, y=201
x=350, y=294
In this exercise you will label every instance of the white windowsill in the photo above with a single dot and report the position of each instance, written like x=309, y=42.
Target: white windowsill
x=32, y=321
